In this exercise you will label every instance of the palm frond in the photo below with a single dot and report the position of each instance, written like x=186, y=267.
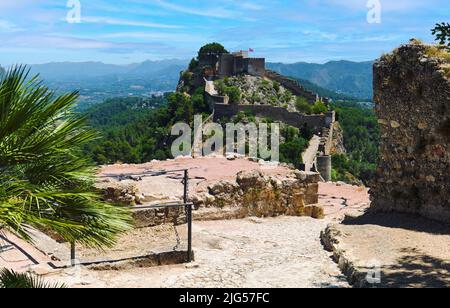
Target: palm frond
x=45, y=182
x=11, y=280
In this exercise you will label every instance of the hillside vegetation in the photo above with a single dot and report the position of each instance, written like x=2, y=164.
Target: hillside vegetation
x=361, y=139
x=138, y=130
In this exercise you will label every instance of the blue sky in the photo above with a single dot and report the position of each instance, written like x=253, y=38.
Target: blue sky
x=112, y=31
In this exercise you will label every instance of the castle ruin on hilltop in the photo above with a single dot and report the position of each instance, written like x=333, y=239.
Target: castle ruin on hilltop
x=232, y=64
x=217, y=65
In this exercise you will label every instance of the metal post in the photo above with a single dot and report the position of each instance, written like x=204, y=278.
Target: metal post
x=188, y=209
x=72, y=254
x=186, y=186
x=189, y=218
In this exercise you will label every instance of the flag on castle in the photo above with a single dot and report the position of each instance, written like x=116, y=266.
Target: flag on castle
x=251, y=50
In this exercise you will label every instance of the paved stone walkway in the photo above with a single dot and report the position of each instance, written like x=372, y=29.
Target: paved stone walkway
x=271, y=252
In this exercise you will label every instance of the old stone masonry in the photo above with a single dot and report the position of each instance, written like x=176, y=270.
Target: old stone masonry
x=412, y=96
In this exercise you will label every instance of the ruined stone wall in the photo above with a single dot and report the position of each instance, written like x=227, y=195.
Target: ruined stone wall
x=251, y=193
x=294, y=87
x=256, y=66
x=239, y=67
x=213, y=100
x=412, y=96
x=314, y=122
x=256, y=194
x=226, y=65
x=232, y=64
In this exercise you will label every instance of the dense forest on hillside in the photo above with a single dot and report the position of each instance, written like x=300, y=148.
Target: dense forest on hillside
x=135, y=130
x=130, y=130
x=361, y=139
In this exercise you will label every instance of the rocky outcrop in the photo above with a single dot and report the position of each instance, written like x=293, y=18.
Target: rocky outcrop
x=256, y=194
x=337, y=145
x=412, y=96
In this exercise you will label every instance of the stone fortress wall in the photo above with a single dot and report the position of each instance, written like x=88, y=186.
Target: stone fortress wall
x=296, y=88
x=412, y=96
x=315, y=123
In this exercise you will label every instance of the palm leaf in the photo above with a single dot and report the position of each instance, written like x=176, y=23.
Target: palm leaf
x=45, y=182
x=12, y=280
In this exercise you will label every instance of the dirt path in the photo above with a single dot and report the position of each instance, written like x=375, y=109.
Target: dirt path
x=406, y=251
x=272, y=252
x=309, y=156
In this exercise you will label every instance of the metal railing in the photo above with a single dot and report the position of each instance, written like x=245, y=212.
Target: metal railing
x=187, y=206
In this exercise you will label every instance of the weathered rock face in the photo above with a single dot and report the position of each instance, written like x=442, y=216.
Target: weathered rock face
x=412, y=96
x=256, y=194
x=337, y=146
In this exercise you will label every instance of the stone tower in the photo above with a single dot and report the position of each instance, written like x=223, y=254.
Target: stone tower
x=412, y=96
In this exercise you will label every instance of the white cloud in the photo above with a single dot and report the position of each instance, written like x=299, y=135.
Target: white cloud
x=207, y=12
x=51, y=41
x=386, y=5
x=163, y=36
x=6, y=26
x=123, y=22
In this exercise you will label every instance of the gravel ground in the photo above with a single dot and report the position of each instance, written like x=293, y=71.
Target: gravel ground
x=271, y=252
x=407, y=251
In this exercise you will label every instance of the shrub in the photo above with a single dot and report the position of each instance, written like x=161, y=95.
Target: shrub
x=319, y=108
x=234, y=93
x=303, y=106
x=287, y=96
x=276, y=86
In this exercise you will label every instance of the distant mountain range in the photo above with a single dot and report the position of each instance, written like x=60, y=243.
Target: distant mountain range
x=69, y=71
x=98, y=81
x=343, y=77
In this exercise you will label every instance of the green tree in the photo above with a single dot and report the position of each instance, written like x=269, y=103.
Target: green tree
x=45, y=181
x=193, y=64
x=212, y=48
x=361, y=140
x=442, y=33
x=180, y=107
x=291, y=151
x=198, y=101
x=303, y=106
x=234, y=93
x=319, y=108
